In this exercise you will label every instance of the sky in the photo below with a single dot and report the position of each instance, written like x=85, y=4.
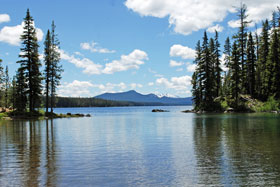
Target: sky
x=121, y=45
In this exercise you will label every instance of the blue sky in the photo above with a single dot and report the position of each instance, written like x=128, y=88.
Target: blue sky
x=119, y=45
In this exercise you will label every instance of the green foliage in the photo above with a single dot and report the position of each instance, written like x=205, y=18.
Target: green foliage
x=253, y=70
x=29, y=65
x=270, y=105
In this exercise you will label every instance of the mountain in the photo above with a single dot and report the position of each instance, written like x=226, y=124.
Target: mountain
x=134, y=96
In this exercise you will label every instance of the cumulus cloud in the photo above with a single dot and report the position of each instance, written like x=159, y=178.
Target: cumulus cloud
x=177, y=83
x=11, y=34
x=184, y=52
x=135, y=85
x=173, y=63
x=130, y=61
x=186, y=16
x=191, y=67
x=89, y=66
x=215, y=28
x=75, y=89
x=111, y=87
x=4, y=18
x=94, y=48
x=150, y=84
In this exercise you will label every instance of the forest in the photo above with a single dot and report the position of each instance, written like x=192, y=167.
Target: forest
x=24, y=92
x=251, y=81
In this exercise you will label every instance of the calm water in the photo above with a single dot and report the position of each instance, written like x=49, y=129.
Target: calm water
x=135, y=147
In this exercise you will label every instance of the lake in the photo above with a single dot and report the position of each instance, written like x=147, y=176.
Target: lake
x=131, y=146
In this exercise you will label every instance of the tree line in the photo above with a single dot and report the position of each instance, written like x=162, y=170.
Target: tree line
x=252, y=61
x=24, y=92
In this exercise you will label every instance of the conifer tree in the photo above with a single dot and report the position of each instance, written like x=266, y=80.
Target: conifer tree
x=227, y=53
x=13, y=93
x=55, y=68
x=274, y=59
x=47, y=72
x=196, y=78
x=263, y=69
x=235, y=75
x=21, y=90
x=30, y=64
x=217, y=65
x=7, y=86
x=251, y=65
x=2, y=83
x=241, y=37
x=207, y=76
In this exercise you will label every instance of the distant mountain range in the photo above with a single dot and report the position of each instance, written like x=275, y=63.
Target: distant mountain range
x=133, y=96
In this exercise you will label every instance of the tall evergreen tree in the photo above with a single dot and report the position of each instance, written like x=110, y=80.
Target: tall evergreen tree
x=196, y=78
x=241, y=37
x=217, y=65
x=7, y=86
x=2, y=83
x=274, y=59
x=251, y=65
x=30, y=64
x=13, y=97
x=55, y=68
x=21, y=90
x=207, y=77
x=227, y=59
x=263, y=69
x=48, y=63
x=235, y=75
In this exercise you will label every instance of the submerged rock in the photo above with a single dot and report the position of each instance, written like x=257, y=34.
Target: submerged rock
x=159, y=110
x=188, y=111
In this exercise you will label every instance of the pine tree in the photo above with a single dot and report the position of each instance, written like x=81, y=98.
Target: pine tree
x=13, y=93
x=263, y=69
x=196, y=80
x=47, y=72
x=21, y=90
x=251, y=65
x=7, y=86
x=274, y=59
x=207, y=76
x=30, y=64
x=217, y=65
x=227, y=59
x=2, y=83
x=235, y=75
x=242, y=40
x=55, y=68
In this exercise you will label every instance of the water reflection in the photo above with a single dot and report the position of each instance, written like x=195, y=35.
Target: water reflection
x=238, y=149
x=142, y=149
x=25, y=160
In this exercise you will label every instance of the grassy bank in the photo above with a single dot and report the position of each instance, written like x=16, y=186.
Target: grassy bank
x=10, y=115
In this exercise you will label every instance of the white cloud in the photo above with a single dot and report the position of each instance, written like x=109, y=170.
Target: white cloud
x=223, y=63
x=177, y=83
x=94, y=48
x=110, y=87
x=89, y=66
x=75, y=89
x=217, y=28
x=173, y=63
x=186, y=16
x=130, y=61
x=191, y=67
x=11, y=34
x=150, y=84
x=4, y=18
x=135, y=85
x=184, y=52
